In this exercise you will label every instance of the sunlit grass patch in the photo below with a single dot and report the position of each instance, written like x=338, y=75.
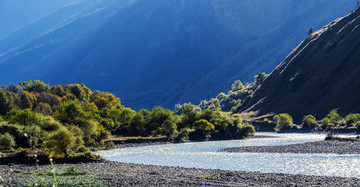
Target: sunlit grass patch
x=212, y=176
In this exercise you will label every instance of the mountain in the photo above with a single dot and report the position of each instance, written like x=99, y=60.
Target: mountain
x=154, y=52
x=321, y=74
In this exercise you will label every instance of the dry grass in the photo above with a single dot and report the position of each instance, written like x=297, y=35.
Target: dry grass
x=127, y=138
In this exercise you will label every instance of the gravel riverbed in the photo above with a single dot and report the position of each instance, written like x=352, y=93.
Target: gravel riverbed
x=125, y=174
x=330, y=146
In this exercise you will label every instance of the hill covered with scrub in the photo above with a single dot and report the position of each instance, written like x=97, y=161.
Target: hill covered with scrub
x=67, y=120
x=320, y=75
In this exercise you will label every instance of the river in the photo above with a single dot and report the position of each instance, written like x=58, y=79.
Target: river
x=206, y=155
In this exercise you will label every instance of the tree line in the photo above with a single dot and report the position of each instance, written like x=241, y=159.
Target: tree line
x=64, y=120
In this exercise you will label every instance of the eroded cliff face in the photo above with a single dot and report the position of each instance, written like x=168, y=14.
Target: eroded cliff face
x=156, y=52
x=321, y=74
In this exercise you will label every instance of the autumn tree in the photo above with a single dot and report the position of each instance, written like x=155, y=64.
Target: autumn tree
x=203, y=128
x=104, y=99
x=27, y=100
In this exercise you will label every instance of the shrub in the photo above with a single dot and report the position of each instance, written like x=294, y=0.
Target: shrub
x=35, y=133
x=309, y=122
x=334, y=116
x=238, y=129
x=203, y=129
x=58, y=144
x=183, y=135
x=158, y=116
x=260, y=78
x=189, y=115
x=168, y=128
x=43, y=108
x=50, y=124
x=325, y=121
x=70, y=113
x=16, y=131
x=221, y=96
x=79, y=135
x=283, y=122
x=247, y=130
x=238, y=85
x=91, y=131
x=23, y=117
x=203, y=125
x=352, y=118
x=7, y=142
x=236, y=108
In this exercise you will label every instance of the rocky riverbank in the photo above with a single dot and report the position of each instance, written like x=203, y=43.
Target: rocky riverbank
x=124, y=174
x=329, y=146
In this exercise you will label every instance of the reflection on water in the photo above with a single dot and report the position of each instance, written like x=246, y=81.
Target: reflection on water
x=206, y=155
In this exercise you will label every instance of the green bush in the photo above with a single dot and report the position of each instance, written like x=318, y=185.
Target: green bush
x=7, y=142
x=352, y=118
x=158, y=116
x=189, y=115
x=168, y=128
x=60, y=143
x=203, y=129
x=34, y=133
x=43, y=108
x=309, y=122
x=260, y=78
x=238, y=85
x=183, y=135
x=16, y=131
x=334, y=117
x=70, y=113
x=246, y=130
x=50, y=124
x=283, y=122
x=24, y=117
x=238, y=130
x=79, y=135
x=325, y=121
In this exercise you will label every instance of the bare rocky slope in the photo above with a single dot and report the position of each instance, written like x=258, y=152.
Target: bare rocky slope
x=321, y=74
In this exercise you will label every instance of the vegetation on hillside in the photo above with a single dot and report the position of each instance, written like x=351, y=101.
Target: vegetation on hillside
x=331, y=122
x=234, y=99
x=67, y=120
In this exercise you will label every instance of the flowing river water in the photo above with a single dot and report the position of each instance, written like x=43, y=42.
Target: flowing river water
x=206, y=155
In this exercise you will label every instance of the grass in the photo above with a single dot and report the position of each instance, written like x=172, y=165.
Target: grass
x=66, y=176
x=212, y=176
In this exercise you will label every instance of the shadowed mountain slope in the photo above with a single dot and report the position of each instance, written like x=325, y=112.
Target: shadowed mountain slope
x=321, y=74
x=157, y=52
